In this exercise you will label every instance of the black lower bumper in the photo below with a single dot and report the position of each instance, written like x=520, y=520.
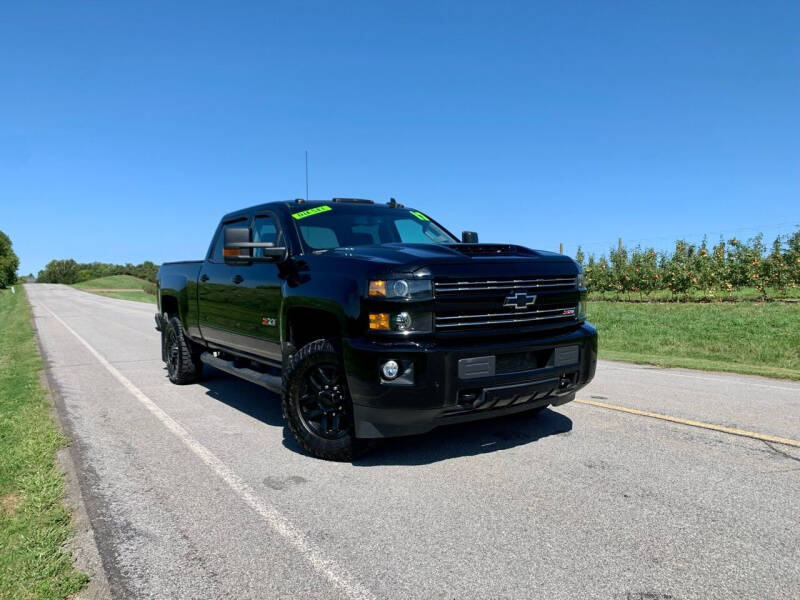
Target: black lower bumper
x=442, y=384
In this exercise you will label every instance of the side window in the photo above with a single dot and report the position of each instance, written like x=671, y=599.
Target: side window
x=217, y=254
x=266, y=230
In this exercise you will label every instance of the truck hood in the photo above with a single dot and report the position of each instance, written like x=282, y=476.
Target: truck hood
x=460, y=257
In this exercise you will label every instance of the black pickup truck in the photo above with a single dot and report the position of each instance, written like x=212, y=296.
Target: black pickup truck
x=374, y=321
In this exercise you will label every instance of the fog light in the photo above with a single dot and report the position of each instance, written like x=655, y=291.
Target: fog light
x=390, y=369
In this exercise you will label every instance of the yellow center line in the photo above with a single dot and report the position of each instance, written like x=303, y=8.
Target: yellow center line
x=692, y=423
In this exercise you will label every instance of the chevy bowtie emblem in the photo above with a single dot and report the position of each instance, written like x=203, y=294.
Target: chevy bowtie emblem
x=520, y=300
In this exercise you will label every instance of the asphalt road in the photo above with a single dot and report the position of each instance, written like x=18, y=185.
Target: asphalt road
x=196, y=491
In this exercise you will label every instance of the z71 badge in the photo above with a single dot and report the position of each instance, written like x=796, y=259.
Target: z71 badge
x=268, y=321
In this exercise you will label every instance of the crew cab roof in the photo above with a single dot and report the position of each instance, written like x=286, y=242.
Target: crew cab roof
x=292, y=205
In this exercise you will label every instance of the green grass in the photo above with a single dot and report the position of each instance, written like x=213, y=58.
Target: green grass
x=746, y=337
x=34, y=523
x=739, y=295
x=138, y=296
x=131, y=288
x=113, y=282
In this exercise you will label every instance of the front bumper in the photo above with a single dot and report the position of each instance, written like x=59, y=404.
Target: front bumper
x=443, y=384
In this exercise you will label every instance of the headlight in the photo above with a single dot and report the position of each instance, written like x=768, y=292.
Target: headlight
x=403, y=322
x=582, y=309
x=580, y=281
x=401, y=289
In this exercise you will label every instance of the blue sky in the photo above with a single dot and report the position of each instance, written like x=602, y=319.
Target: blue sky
x=127, y=129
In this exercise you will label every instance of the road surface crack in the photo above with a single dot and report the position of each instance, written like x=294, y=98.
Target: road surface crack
x=781, y=452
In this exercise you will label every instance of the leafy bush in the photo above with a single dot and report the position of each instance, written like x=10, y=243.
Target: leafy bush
x=59, y=271
x=727, y=267
x=8, y=262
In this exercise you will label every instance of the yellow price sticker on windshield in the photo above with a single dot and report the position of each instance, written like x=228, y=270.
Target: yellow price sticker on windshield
x=311, y=211
x=419, y=215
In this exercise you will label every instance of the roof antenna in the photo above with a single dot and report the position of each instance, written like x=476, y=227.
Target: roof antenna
x=306, y=175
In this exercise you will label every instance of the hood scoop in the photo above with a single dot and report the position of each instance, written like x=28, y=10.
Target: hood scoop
x=492, y=250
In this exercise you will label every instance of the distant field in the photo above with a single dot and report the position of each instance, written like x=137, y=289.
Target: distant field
x=124, y=287
x=740, y=295
x=137, y=296
x=114, y=282
x=746, y=337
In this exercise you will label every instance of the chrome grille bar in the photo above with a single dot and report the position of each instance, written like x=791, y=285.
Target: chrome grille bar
x=507, y=284
x=521, y=313
x=530, y=316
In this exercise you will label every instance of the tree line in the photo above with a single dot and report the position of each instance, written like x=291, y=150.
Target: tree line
x=691, y=269
x=68, y=271
x=9, y=262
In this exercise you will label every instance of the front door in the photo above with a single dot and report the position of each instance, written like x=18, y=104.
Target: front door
x=239, y=304
x=216, y=287
x=257, y=297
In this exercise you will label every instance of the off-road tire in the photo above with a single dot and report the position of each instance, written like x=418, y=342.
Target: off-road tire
x=312, y=356
x=183, y=357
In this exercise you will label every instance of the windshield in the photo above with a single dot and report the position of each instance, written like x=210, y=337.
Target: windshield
x=324, y=227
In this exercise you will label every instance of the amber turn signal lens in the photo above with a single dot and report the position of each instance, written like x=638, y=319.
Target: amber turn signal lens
x=379, y=321
x=377, y=288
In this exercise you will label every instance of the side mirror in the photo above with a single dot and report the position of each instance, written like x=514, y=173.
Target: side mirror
x=238, y=248
x=234, y=237
x=469, y=237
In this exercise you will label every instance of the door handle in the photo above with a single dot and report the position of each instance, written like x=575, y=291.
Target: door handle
x=237, y=279
x=204, y=278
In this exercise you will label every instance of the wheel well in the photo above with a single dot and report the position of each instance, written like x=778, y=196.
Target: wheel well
x=169, y=305
x=309, y=324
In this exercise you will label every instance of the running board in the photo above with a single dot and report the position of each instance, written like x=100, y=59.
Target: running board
x=271, y=382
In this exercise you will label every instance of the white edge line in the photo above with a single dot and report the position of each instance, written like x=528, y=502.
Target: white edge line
x=285, y=528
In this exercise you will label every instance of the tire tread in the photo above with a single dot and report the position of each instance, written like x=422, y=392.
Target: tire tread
x=316, y=447
x=190, y=367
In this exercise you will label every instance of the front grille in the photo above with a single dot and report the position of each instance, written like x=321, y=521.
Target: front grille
x=473, y=286
x=506, y=318
x=504, y=305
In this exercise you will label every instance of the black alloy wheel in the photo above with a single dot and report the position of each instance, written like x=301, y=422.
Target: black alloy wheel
x=323, y=402
x=317, y=406
x=173, y=352
x=181, y=355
